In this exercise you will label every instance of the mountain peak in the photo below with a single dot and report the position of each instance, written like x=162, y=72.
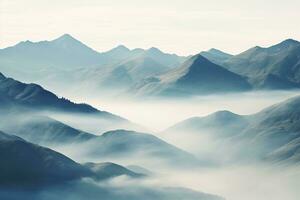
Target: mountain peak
x=154, y=50
x=213, y=50
x=200, y=59
x=65, y=38
x=197, y=62
x=223, y=114
x=288, y=43
x=120, y=48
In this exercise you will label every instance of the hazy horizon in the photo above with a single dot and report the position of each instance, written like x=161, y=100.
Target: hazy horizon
x=141, y=24
x=148, y=124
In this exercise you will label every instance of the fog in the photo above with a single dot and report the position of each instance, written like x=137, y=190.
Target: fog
x=229, y=178
x=226, y=175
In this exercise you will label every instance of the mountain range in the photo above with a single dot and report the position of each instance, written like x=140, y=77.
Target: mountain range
x=62, y=63
x=47, y=166
x=65, y=61
x=33, y=99
x=274, y=131
x=29, y=104
x=197, y=76
x=274, y=67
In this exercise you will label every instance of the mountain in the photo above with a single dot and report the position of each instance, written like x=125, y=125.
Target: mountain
x=119, y=53
x=129, y=145
x=29, y=164
x=166, y=59
x=216, y=56
x=221, y=124
x=121, y=76
x=275, y=127
x=36, y=97
x=274, y=131
x=57, y=60
x=62, y=63
x=36, y=61
x=64, y=52
x=275, y=67
x=197, y=75
x=23, y=97
x=122, y=54
x=41, y=129
x=142, y=67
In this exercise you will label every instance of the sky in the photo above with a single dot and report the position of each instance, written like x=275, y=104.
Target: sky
x=179, y=26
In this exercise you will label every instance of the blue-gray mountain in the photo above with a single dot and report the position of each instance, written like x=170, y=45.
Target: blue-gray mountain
x=130, y=145
x=24, y=112
x=36, y=97
x=275, y=67
x=197, y=75
x=274, y=131
x=35, y=172
x=64, y=62
x=40, y=129
x=27, y=164
x=32, y=98
x=119, y=77
x=216, y=56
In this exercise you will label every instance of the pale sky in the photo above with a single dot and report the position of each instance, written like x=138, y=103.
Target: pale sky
x=178, y=26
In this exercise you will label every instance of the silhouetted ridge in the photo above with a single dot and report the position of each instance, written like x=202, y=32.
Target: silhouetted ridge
x=34, y=96
x=27, y=164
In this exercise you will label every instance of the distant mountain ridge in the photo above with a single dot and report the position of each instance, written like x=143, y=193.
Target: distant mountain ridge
x=275, y=67
x=274, y=131
x=197, y=75
x=33, y=100
x=27, y=164
x=35, y=96
x=68, y=52
x=62, y=63
x=122, y=144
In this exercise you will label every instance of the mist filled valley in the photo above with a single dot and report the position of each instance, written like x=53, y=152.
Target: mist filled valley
x=222, y=168
x=143, y=124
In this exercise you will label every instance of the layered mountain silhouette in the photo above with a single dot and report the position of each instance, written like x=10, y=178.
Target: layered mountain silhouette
x=61, y=60
x=27, y=164
x=41, y=129
x=275, y=67
x=274, y=131
x=33, y=172
x=34, y=100
x=28, y=59
x=36, y=97
x=221, y=123
x=122, y=53
x=197, y=75
x=64, y=51
x=65, y=61
x=123, y=75
x=25, y=103
x=123, y=144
